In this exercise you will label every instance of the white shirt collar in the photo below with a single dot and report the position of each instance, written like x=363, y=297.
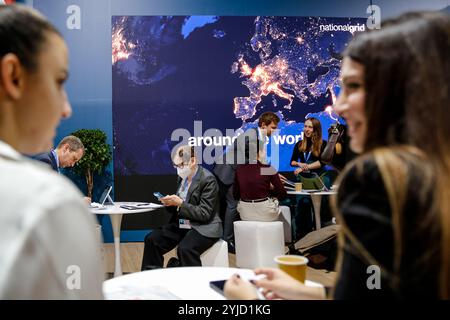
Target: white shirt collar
x=261, y=134
x=55, y=154
x=6, y=151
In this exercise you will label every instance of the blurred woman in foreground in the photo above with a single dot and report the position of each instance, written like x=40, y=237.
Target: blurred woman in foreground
x=392, y=202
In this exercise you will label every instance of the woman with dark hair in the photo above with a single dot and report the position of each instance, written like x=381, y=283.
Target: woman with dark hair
x=306, y=153
x=393, y=201
x=49, y=248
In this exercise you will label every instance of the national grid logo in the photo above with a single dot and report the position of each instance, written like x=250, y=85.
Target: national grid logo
x=342, y=27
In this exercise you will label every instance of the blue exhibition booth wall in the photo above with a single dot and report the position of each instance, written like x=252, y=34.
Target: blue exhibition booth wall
x=94, y=84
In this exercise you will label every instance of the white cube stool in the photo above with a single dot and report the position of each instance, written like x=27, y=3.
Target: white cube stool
x=216, y=255
x=285, y=217
x=257, y=243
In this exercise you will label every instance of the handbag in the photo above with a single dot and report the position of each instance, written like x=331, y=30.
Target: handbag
x=334, y=134
x=322, y=244
x=311, y=182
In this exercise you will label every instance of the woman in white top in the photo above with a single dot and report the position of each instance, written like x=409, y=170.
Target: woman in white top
x=48, y=244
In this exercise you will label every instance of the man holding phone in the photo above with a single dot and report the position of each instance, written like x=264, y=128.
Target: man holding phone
x=158, y=195
x=195, y=224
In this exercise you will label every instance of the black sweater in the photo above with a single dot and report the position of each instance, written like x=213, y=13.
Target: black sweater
x=363, y=202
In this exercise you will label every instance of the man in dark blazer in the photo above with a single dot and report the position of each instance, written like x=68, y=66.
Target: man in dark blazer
x=68, y=152
x=246, y=144
x=195, y=224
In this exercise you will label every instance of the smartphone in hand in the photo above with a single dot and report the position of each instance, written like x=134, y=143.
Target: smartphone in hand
x=158, y=195
x=217, y=285
x=220, y=284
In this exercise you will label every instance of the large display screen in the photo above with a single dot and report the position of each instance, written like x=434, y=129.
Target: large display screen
x=213, y=76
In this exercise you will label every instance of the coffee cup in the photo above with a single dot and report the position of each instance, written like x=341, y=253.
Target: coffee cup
x=293, y=265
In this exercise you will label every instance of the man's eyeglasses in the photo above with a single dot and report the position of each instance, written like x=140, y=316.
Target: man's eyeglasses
x=179, y=165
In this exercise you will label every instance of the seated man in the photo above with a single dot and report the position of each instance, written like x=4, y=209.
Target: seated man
x=195, y=224
x=69, y=151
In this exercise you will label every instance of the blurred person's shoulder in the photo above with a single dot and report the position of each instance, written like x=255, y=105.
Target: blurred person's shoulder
x=207, y=176
x=390, y=159
x=399, y=167
x=42, y=212
x=33, y=185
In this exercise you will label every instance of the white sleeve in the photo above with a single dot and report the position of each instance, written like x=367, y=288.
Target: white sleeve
x=60, y=258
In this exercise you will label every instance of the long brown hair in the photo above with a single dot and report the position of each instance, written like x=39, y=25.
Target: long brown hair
x=407, y=83
x=407, y=183
x=315, y=140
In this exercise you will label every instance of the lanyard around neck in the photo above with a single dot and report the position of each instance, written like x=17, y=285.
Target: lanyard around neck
x=307, y=155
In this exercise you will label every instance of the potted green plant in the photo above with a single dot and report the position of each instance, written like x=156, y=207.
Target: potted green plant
x=97, y=155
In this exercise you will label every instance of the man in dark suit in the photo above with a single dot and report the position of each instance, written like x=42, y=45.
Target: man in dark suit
x=244, y=148
x=195, y=224
x=68, y=152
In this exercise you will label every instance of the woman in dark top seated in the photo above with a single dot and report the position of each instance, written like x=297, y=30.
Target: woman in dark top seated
x=306, y=153
x=258, y=188
x=393, y=201
x=306, y=157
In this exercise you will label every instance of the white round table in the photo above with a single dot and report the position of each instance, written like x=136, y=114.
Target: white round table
x=115, y=213
x=316, y=198
x=186, y=283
